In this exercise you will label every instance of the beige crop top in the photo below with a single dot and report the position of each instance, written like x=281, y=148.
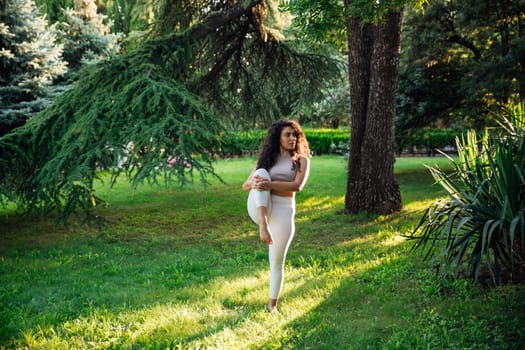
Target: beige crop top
x=282, y=170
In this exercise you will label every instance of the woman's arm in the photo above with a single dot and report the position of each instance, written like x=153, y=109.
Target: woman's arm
x=250, y=182
x=285, y=188
x=297, y=184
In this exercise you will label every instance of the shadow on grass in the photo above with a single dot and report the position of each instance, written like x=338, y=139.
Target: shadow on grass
x=160, y=250
x=397, y=304
x=183, y=268
x=53, y=275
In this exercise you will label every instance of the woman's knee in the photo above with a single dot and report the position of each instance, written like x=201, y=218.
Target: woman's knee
x=262, y=173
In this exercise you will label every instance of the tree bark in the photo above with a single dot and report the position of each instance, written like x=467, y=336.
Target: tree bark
x=373, y=58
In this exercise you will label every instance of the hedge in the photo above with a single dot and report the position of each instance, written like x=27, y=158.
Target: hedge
x=322, y=141
x=427, y=140
x=337, y=141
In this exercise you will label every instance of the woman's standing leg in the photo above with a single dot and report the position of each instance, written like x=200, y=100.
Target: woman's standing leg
x=282, y=227
x=259, y=208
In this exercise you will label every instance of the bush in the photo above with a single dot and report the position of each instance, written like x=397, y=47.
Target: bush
x=337, y=141
x=483, y=218
x=426, y=140
x=326, y=141
x=241, y=142
x=322, y=141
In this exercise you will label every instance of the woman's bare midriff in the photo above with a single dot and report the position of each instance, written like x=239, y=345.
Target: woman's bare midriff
x=283, y=193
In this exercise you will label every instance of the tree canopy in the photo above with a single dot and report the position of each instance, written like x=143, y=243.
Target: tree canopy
x=159, y=108
x=460, y=60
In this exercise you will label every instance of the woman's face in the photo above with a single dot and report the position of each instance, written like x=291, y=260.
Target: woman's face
x=288, y=138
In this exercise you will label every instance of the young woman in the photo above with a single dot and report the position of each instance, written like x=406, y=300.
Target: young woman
x=282, y=169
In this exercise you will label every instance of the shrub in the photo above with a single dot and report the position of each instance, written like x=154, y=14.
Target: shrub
x=426, y=139
x=322, y=141
x=482, y=220
x=326, y=141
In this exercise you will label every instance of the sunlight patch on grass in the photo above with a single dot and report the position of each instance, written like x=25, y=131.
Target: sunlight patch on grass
x=393, y=241
x=299, y=298
x=356, y=241
x=321, y=202
x=242, y=292
x=103, y=329
x=315, y=207
x=183, y=269
x=420, y=205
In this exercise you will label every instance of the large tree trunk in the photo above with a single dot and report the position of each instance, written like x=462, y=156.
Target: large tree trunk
x=373, y=56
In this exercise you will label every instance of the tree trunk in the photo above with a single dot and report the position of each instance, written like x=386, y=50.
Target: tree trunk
x=373, y=57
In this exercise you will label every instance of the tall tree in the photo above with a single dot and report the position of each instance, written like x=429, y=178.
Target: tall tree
x=163, y=100
x=373, y=33
x=373, y=57
x=30, y=59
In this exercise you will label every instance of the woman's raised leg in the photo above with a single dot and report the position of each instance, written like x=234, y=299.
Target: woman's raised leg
x=259, y=207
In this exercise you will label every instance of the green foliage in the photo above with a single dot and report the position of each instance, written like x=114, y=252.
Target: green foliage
x=483, y=220
x=319, y=22
x=148, y=113
x=53, y=9
x=254, y=82
x=374, y=11
x=85, y=35
x=322, y=141
x=427, y=139
x=126, y=15
x=130, y=16
x=242, y=142
x=326, y=141
x=333, y=109
x=460, y=61
x=329, y=141
x=30, y=59
x=324, y=22
x=126, y=116
x=169, y=271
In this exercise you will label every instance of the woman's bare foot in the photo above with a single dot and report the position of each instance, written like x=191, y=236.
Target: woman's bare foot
x=264, y=234
x=272, y=306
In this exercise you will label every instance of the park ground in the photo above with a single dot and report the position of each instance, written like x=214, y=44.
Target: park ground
x=183, y=269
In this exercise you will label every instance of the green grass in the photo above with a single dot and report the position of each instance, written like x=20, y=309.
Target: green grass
x=184, y=269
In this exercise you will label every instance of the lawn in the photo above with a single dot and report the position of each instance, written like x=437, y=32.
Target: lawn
x=184, y=269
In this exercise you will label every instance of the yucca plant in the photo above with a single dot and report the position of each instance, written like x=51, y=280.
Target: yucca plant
x=481, y=223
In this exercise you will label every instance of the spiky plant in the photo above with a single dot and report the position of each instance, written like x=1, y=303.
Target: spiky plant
x=482, y=221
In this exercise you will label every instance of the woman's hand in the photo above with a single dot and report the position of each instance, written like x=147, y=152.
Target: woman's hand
x=260, y=184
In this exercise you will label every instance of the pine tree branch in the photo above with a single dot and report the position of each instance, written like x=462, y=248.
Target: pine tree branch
x=216, y=21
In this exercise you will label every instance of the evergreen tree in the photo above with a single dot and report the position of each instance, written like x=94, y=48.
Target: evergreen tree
x=29, y=59
x=53, y=9
x=166, y=99
x=130, y=15
x=86, y=35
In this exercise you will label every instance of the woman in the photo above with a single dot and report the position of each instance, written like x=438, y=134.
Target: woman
x=282, y=169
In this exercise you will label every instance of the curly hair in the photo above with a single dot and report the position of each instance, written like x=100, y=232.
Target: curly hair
x=270, y=148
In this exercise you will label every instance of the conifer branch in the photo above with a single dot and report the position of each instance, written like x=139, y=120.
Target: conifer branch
x=156, y=112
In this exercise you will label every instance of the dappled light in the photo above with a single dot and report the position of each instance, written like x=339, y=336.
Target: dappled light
x=134, y=135
x=416, y=206
x=184, y=268
x=226, y=312
x=314, y=207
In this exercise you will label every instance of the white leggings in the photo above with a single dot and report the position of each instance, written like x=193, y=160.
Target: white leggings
x=281, y=212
